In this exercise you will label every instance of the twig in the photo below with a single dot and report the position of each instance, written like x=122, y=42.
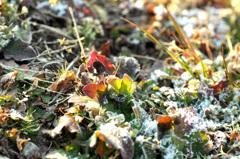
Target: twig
x=56, y=51
x=73, y=61
x=146, y=57
x=76, y=32
x=52, y=29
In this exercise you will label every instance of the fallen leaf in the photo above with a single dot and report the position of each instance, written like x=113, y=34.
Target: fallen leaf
x=53, y=66
x=234, y=136
x=113, y=137
x=8, y=79
x=105, y=49
x=190, y=120
x=165, y=123
x=25, y=67
x=65, y=82
x=65, y=121
x=19, y=50
x=84, y=78
x=79, y=103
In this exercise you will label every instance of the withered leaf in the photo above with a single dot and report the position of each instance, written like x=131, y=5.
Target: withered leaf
x=84, y=78
x=65, y=121
x=105, y=49
x=190, y=120
x=53, y=66
x=8, y=79
x=234, y=136
x=66, y=82
x=165, y=123
x=79, y=103
x=116, y=137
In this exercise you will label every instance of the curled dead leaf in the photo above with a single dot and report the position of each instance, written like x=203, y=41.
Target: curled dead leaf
x=8, y=79
x=79, y=103
x=65, y=82
x=114, y=137
x=68, y=122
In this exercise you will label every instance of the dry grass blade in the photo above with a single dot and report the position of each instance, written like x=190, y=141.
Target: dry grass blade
x=156, y=41
x=183, y=36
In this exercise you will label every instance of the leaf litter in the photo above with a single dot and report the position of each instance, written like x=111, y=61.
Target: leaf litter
x=172, y=94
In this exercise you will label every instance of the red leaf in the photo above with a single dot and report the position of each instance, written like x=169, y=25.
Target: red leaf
x=93, y=57
x=105, y=49
x=220, y=86
x=190, y=120
x=92, y=89
x=110, y=68
x=164, y=123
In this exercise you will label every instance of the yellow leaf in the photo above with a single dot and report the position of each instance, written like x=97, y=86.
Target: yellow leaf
x=115, y=82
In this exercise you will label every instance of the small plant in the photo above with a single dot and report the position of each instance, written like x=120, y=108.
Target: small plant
x=6, y=34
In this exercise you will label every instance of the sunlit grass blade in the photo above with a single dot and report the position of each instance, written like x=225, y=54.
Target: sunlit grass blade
x=183, y=36
x=159, y=43
x=204, y=71
x=236, y=85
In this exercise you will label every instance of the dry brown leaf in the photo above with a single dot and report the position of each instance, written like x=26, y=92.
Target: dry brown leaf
x=79, y=103
x=113, y=137
x=8, y=79
x=105, y=49
x=65, y=82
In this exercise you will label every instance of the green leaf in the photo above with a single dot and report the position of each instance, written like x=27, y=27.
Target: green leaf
x=127, y=85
